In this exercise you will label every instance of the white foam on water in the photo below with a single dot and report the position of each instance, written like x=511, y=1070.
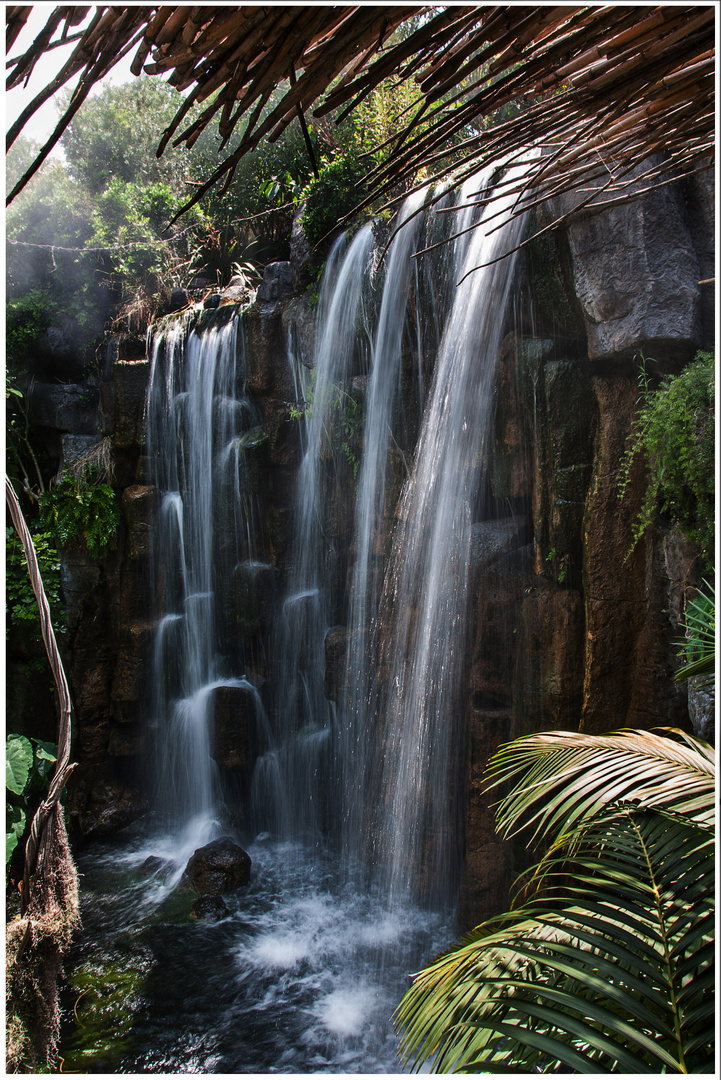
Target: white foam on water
x=347, y=1011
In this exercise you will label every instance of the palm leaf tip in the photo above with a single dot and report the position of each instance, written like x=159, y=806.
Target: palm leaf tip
x=565, y=778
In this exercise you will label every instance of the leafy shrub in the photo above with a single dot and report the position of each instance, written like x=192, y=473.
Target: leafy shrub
x=26, y=319
x=81, y=513
x=674, y=432
x=605, y=963
x=331, y=196
x=21, y=605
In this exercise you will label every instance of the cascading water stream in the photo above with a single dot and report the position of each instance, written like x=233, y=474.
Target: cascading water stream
x=198, y=417
x=305, y=614
x=425, y=599
x=370, y=508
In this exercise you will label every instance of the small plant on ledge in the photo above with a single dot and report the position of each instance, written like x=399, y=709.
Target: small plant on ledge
x=674, y=432
x=82, y=509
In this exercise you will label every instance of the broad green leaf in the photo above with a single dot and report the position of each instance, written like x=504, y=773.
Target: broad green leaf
x=46, y=751
x=18, y=762
x=17, y=819
x=11, y=842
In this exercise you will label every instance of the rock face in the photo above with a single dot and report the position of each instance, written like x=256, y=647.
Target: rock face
x=68, y=407
x=636, y=274
x=235, y=724
x=300, y=254
x=130, y=382
x=277, y=282
x=219, y=867
x=104, y=807
x=575, y=631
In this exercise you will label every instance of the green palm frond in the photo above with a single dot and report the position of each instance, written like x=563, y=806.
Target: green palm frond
x=609, y=968
x=569, y=777
x=699, y=646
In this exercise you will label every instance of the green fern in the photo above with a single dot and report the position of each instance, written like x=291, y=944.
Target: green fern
x=699, y=648
x=674, y=433
x=80, y=513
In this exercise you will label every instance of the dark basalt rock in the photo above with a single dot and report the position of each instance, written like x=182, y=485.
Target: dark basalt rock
x=300, y=253
x=234, y=727
x=70, y=407
x=140, y=506
x=277, y=282
x=209, y=908
x=212, y=301
x=153, y=865
x=110, y=806
x=636, y=275
x=178, y=299
x=219, y=867
x=130, y=381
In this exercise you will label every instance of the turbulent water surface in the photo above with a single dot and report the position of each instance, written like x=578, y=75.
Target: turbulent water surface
x=302, y=975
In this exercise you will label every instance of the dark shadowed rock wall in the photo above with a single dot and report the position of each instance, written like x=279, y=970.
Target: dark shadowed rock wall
x=570, y=630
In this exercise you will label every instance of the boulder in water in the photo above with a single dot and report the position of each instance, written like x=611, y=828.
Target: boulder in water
x=209, y=908
x=154, y=864
x=218, y=867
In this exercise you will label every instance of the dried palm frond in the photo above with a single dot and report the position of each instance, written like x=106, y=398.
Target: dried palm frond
x=602, y=89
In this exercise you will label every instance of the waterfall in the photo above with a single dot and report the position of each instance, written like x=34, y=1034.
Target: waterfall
x=379, y=767
x=423, y=618
x=370, y=509
x=198, y=420
x=352, y=812
x=306, y=611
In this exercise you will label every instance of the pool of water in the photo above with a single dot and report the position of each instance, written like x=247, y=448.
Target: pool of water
x=302, y=975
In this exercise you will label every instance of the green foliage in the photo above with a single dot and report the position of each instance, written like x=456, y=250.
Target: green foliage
x=24, y=771
x=115, y=135
x=26, y=318
x=562, y=779
x=18, y=763
x=331, y=196
x=699, y=648
x=81, y=513
x=45, y=281
x=674, y=433
x=562, y=564
x=21, y=605
x=15, y=821
x=90, y=237
x=608, y=964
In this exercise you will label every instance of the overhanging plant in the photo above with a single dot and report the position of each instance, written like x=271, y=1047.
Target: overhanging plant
x=607, y=962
